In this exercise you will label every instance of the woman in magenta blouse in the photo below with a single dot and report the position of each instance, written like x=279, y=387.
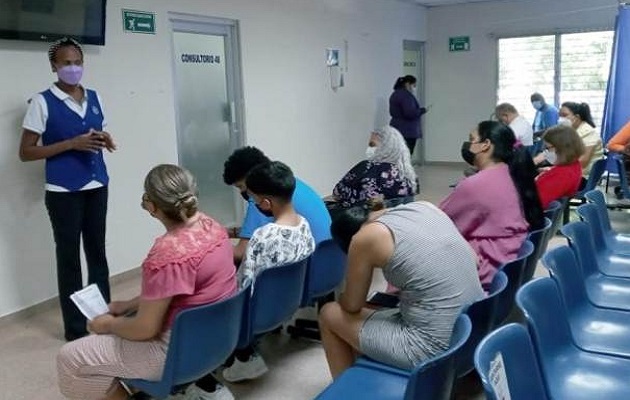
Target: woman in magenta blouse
x=494, y=208
x=191, y=264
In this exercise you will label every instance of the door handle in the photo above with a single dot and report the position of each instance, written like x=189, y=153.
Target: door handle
x=233, y=112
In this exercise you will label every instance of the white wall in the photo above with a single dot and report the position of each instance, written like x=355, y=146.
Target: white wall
x=291, y=112
x=462, y=85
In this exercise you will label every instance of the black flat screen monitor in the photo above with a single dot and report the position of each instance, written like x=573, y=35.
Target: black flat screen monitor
x=49, y=20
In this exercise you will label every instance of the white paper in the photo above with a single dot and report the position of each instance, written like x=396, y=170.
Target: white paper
x=90, y=301
x=498, y=378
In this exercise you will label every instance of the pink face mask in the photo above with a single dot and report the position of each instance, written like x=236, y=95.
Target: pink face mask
x=70, y=74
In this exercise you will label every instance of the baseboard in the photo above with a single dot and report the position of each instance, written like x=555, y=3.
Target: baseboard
x=53, y=302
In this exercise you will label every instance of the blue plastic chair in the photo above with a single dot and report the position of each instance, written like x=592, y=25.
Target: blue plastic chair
x=603, y=290
x=597, y=170
x=554, y=213
x=483, y=318
x=594, y=176
x=605, y=241
x=568, y=372
x=594, y=329
x=514, y=271
x=482, y=314
x=432, y=379
x=596, y=197
x=623, y=178
x=202, y=338
x=276, y=296
x=539, y=239
x=521, y=366
x=325, y=271
x=613, y=261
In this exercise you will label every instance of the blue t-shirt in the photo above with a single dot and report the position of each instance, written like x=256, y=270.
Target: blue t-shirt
x=545, y=118
x=306, y=202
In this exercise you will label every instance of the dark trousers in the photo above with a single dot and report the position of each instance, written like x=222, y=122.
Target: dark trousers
x=411, y=144
x=75, y=216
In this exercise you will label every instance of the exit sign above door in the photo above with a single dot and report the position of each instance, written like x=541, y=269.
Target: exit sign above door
x=459, y=43
x=138, y=21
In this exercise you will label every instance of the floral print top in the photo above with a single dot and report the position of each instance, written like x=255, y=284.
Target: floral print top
x=274, y=245
x=369, y=179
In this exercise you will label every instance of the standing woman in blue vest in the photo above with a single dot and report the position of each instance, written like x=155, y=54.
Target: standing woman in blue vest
x=64, y=126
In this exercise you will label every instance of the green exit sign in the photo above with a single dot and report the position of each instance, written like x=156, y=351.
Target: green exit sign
x=459, y=43
x=138, y=21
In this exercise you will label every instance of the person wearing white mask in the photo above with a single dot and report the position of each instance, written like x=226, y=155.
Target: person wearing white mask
x=578, y=116
x=563, y=148
x=546, y=114
x=64, y=125
x=386, y=172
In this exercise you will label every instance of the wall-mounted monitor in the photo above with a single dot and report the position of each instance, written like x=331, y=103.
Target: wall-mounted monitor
x=49, y=20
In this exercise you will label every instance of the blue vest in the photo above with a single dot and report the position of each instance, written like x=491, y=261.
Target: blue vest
x=73, y=169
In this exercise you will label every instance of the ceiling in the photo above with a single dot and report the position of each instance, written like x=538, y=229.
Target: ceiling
x=436, y=3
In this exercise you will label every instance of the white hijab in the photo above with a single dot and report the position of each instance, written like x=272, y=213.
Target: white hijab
x=393, y=149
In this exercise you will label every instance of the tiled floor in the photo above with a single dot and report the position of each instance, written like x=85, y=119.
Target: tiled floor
x=297, y=367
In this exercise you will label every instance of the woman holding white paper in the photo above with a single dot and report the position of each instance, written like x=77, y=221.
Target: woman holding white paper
x=191, y=264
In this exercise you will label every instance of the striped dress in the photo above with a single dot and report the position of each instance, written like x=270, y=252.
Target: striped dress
x=436, y=271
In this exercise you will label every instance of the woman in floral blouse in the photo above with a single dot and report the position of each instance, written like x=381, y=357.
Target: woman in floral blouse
x=386, y=172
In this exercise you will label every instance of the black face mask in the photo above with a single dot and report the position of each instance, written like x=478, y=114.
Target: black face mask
x=244, y=195
x=468, y=155
x=266, y=213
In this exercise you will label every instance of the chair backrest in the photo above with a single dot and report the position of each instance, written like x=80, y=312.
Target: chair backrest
x=434, y=379
x=510, y=347
x=581, y=241
x=597, y=197
x=566, y=271
x=623, y=178
x=203, y=337
x=276, y=296
x=547, y=322
x=589, y=214
x=482, y=314
x=325, y=271
x=514, y=271
x=554, y=213
x=597, y=170
x=539, y=239
x=553, y=209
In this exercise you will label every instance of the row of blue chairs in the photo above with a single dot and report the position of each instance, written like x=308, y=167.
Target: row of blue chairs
x=435, y=378
x=203, y=337
x=249, y=314
x=576, y=343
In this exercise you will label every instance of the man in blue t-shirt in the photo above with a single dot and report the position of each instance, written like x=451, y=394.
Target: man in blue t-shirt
x=546, y=114
x=305, y=200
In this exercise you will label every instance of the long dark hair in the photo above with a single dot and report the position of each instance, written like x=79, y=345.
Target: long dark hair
x=582, y=110
x=521, y=165
x=400, y=82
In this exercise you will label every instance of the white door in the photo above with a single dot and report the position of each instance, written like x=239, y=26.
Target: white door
x=413, y=64
x=208, y=107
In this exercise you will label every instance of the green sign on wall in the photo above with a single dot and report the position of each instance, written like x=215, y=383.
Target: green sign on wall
x=138, y=21
x=459, y=43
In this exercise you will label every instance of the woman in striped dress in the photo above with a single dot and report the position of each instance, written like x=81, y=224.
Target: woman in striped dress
x=421, y=252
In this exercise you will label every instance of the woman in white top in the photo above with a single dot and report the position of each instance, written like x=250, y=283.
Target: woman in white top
x=578, y=115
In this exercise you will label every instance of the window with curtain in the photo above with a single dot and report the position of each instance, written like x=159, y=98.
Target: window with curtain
x=562, y=67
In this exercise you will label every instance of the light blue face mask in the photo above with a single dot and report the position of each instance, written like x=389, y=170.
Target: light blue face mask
x=537, y=104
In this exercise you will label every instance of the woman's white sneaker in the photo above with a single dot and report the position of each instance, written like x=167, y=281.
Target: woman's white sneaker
x=250, y=369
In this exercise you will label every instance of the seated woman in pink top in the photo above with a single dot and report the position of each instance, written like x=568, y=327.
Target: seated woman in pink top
x=191, y=264
x=494, y=208
x=563, y=148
